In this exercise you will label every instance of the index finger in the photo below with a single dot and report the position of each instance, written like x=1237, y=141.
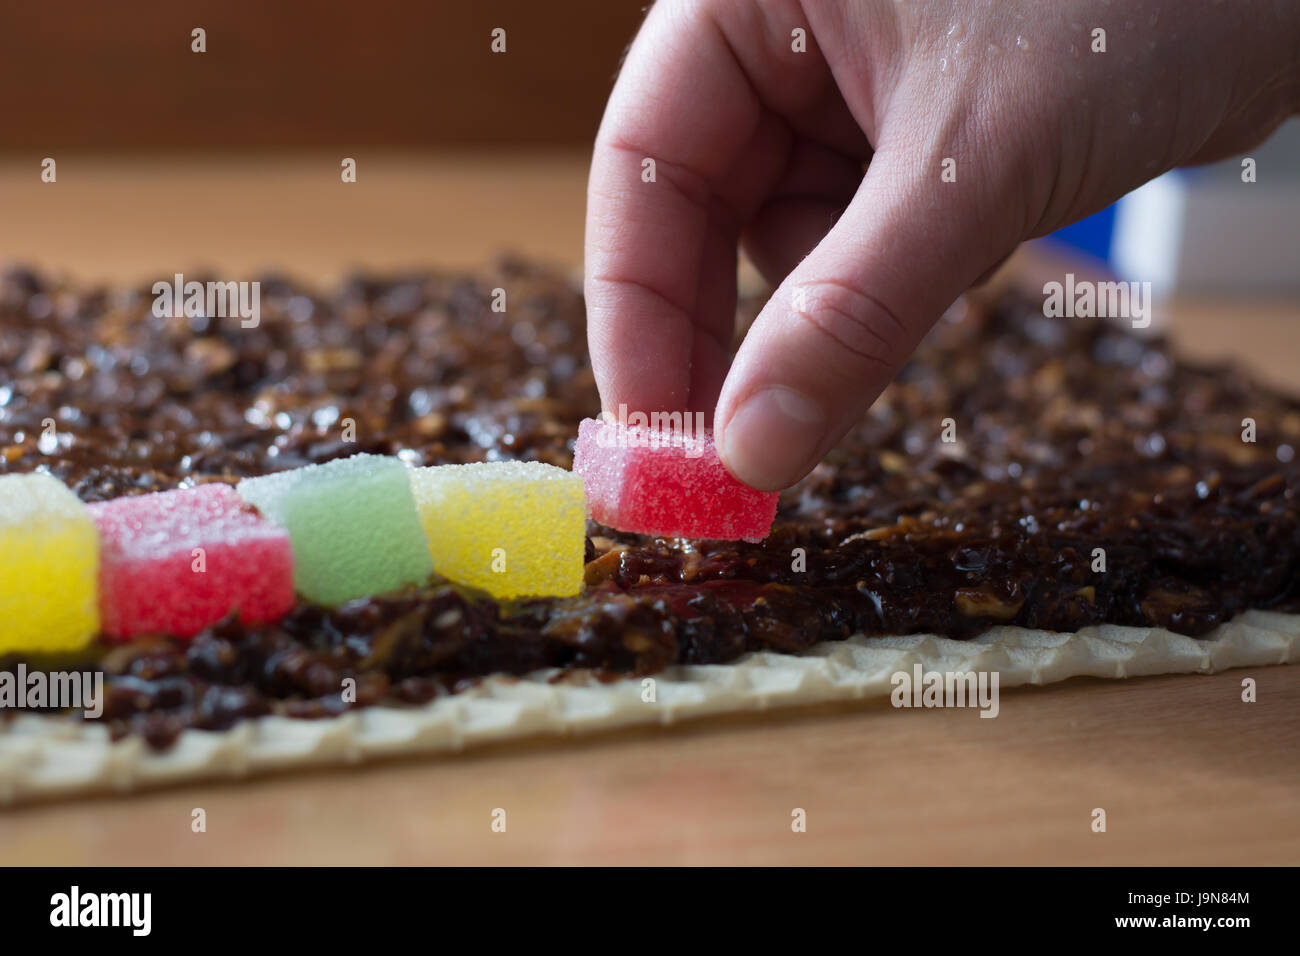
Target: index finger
x=663, y=215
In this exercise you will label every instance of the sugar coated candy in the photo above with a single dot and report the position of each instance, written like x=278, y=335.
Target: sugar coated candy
x=49, y=563
x=667, y=483
x=174, y=562
x=353, y=523
x=511, y=528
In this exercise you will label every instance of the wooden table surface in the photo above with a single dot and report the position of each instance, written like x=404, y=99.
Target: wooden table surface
x=1187, y=772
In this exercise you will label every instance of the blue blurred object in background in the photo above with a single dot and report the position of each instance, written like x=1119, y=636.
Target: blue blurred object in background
x=1091, y=235
x=1231, y=227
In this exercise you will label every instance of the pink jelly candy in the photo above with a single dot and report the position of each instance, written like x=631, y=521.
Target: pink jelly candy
x=176, y=561
x=666, y=483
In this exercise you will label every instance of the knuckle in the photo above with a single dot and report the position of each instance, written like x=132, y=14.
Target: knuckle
x=858, y=321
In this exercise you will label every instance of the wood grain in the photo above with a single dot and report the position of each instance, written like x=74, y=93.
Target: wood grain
x=133, y=218
x=284, y=73
x=1187, y=772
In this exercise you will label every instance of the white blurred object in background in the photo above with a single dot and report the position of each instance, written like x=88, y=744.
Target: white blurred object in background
x=1203, y=229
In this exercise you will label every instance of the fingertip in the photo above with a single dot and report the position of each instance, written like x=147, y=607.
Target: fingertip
x=773, y=438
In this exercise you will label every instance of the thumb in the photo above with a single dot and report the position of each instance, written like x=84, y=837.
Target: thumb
x=846, y=318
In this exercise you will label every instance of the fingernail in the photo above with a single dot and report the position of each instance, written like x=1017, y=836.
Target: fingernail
x=772, y=439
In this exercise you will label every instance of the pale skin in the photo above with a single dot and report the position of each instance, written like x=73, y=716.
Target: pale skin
x=761, y=148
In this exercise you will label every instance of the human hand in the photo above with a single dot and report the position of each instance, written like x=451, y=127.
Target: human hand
x=758, y=145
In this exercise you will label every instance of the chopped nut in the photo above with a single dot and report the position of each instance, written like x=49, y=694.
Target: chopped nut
x=1267, y=487
x=978, y=602
x=637, y=642
x=210, y=356
x=431, y=425
x=332, y=360
x=602, y=569
x=892, y=461
x=691, y=565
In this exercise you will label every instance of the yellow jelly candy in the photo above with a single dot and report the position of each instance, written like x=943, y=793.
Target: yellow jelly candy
x=49, y=566
x=511, y=528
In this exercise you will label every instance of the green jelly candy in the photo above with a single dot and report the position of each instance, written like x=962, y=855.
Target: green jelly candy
x=353, y=523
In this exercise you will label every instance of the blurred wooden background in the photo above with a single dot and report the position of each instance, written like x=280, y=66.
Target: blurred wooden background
x=90, y=73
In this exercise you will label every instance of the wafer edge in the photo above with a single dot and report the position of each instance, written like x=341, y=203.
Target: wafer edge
x=43, y=757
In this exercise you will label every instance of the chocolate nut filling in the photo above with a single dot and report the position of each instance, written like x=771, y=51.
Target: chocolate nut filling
x=1090, y=477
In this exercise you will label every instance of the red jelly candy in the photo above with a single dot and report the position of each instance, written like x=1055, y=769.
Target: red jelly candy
x=176, y=561
x=668, y=484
